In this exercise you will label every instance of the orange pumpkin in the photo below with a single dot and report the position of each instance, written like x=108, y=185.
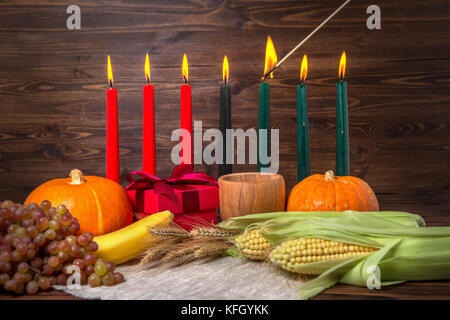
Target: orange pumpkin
x=330, y=193
x=100, y=205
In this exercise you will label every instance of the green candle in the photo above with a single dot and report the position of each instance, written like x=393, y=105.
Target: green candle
x=342, y=145
x=263, y=121
x=303, y=159
x=264, y=111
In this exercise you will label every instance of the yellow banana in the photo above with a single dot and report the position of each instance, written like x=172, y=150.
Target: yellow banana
x=131, y=241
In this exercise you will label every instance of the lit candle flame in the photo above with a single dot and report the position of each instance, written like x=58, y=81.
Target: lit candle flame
x=225, y=70
x=147, y=68
x=342, y=65
x=110, y=74
x=185, y=68
x=271, y=56
x=304, y=69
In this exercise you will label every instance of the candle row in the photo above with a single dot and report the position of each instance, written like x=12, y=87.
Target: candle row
x=186, y=152
x=148, y=138
x=303, y=154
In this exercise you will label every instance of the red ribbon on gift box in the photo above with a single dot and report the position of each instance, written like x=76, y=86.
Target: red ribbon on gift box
x=181, y=175
x=182, y=179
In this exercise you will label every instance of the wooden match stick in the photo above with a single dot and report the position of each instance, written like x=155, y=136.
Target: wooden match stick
x=306, y=39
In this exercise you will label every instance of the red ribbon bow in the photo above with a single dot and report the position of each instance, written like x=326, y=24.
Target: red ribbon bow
x=181, y=175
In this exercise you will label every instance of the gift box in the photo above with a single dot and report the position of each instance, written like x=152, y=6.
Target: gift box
x=193, y=197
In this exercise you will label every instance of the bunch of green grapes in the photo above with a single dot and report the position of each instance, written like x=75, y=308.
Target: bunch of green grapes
x=40, y=245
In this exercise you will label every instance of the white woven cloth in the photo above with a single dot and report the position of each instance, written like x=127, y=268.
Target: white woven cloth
x=220, y=279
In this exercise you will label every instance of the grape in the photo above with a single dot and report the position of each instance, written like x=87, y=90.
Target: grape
x=74, y=228
x=7, y=204
x=83, y=240
x=118, y=277
x=27, y=223
x=19, y=277
x=44, y=283
x=64, y=245
x=6, y=213
x=89, y=259
x=20, y=232
x=63, y=256
x=79, y=263
x=75, y=251
x=12, y=228
x=90, y=235
x=37, y=214
x=42, y=223
x=91, y=246
x=52, y=211
x=22, y=267
x=52, y=247
x=7, y=239
x=53, y=261
x=66, y=219
x=28, y=277
x=108, y=279
x=31, y=253
x=50, y=234
x=20, y=288
x=71, y=239
x=5, y=256
x=32, y=206
x=17, y=215
x=10, y=285
x=31, y=231
x=32, y=287
x=39, y=243
x=21, y=248
x=39, y=239
x=36, y=263
x=46, y=269
x=94, y=280
x=100, y=268
x=110, y=266
x=54, y=224
x=3, y=278
x=5, y=267
x=61, y=279
x=89, y=270
x=16, y=256
x=45, y=205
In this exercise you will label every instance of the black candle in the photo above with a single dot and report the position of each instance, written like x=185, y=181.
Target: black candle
x=225, y=119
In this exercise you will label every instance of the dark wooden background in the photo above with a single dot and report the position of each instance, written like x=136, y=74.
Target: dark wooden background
x=53, y=80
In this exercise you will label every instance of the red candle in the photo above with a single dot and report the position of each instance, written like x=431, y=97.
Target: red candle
x=186, y=117
x=112, y=130
x=148, y=141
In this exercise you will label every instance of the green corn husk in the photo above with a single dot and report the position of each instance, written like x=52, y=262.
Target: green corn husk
x=407, y=249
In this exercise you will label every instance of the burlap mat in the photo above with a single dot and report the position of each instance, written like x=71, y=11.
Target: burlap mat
x=220, y=279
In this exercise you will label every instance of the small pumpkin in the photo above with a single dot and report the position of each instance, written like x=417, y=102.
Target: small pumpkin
x=100, y=205
x=330, y=193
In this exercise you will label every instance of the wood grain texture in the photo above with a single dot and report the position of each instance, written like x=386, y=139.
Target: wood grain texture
x=53, y=80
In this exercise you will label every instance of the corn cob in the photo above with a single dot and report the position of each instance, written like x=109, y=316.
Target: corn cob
x=253, y=245
x=306, y=255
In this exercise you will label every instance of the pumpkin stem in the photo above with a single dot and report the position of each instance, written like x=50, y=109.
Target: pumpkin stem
x=77, y=177
x=329, y=175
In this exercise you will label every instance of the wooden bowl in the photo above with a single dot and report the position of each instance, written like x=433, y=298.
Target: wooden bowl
x=251, y=192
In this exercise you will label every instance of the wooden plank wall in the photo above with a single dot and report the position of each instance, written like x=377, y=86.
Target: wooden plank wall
x=53, y=80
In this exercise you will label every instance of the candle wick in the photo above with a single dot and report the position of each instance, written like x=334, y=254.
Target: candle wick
x=110, y=83
x=185, y=80
x=148, y=80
